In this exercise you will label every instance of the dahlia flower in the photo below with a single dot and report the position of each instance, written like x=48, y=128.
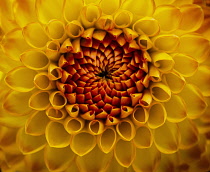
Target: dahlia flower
x=104, y=86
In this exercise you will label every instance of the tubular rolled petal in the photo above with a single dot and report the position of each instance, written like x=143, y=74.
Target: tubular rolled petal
x=176, y=109
x=192, y=17
x=105, y=23
x=135, y=98
x=124, y=158
x=144, y=42
x=107, y=9
x=57, y=99
x=42, y=81
x=143, y=137
x=126, y=111
x=166, y=43
x=35, y=59
x=74, y=29
x=13, y=44
x=126, y=130
x=36, y=123
x=82, y=143
x=73, y=110
x=53, y=50
x=13, y=104
x=30, y=33
x=107, y=140
x=168, y=17
x=160, y=92
x=140, y=115
x=185, y=65
x=175, y=82
x=139, y=8
x=39, y=100
x=58, y=159
x=151, y=160
x=147, y=25
x=163, y=61
x=195, y=46
x=90, y=14
x=72, y=9
x=56, y=114
x=20, y=79
x=74, y=125
x=65, y=47
x=194, y=101
x=29, y=144
x=123, y=18
x=56, y=135
x=203, y=76
x=189, y=134
x=157, y=115
x=167, y=138
x=154, y=73
x=100, y=163
x=47, y=10
x=110, y=120
x=54, y=72
x=146, y=99
x=95, y=127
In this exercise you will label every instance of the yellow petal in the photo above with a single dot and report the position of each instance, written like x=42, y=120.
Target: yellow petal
x=42, y=81
x=96, y=127
x=160, y=92
x=72, y=9
x=104, y=23
x=55, y=114
x=185, y=65
x=140, y=8
x=73, y=110
x=154, y=73
x=189, y=134
x=74, y=125
x=143, y=137
x=166, y=42
x=181, y=2
x=47, y=10
x=74, y=29
x=146, y=99
x=157, y=115
x=168, y=17
x=58, y=159
x=56, y=135
x=72, y=168
x=16, y=79
x=13, y=104
x=123, y=18
x=162, y=61
x=24, y=12
x=39, y=100
x=195, y=46
x=176, y=109
x=13, y=121
x=82, y=143
x=163, y=2
x=54, y=72
x=53, y=50
x=124, y=158
x=192, y=17
x=170, y=142
x=194, y=100
x=174, y=81
x=14, y=44
x=34, y=59
x=144, y=42
x=56, y=30
x=201, y=79
x=107, y=9
x=106, y=141
x=204, y=29
x=126, y=130
x=151, y=158
x=36, y=123
x=95, y=160
x=57, y=99
x=30, y=144
x=140, y=115
x=30, y=33
x=147, y=25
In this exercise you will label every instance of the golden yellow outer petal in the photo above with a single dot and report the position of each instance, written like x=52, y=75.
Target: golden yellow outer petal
x=151, y=158
x=36, y=123
x=47, y=10
x=74, y=125
x=39, y=100
x=13, y=44
x=42, y=81
x=163, y=2
x=124, y=158
x=96, y=127
x=170, y=142
x=72, y=168
x=57, y=99
x=144, y=42
x=115, y=166
x=30, y=33
x=82, y=143
x=123, y=18
x=107, y=9
x=96, y=160
x=140, y=115
x=181, y=2
x=58, y=159
x=30, y=144
x=15, y=80
x=54, y=72
x=53, y=49
x=74, y=29
x=56, y=135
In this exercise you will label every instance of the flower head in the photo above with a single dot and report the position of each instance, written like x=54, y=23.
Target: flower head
x=104, y=85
